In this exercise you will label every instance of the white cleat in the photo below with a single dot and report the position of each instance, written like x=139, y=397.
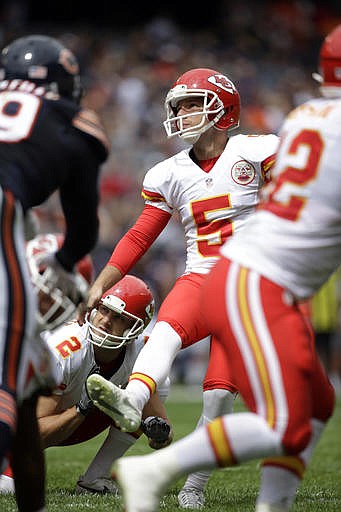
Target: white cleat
x=190, y=497
x=141, y=483
x=114, y=402
x=266, y=507
x=6, y=485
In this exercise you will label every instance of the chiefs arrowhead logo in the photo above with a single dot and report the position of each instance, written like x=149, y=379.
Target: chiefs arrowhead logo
x=223, y=82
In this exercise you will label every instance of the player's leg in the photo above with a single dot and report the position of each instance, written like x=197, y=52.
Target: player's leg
x=207, y=447
x=18, y=321
x=281, y=477
x=178, y=325
x=273, y=377
x=125, y=406
x=17, y=316
x=218, y=398
x=6, y=477
x=97, y=477
x=28, y=460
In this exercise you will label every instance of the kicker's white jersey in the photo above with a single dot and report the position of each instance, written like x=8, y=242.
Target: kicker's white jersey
x=211, y=206
x=295, y=238
x=74, y=357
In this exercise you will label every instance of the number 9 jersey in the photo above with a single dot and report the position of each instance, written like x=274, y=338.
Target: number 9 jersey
x=45, y=135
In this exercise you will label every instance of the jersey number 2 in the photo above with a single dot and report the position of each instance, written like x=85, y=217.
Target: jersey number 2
x=288, y=186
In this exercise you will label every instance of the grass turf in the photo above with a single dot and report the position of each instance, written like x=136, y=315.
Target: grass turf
x=229, y=490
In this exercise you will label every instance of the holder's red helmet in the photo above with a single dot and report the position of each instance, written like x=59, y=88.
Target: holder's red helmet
x=131, y=298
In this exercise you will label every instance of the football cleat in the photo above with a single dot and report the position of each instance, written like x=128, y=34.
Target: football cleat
x=189, y=497
x=145, y=493
x=114, y=402
x=266, y=507
x=101, y=485
x=143, y=480
x=6, y=485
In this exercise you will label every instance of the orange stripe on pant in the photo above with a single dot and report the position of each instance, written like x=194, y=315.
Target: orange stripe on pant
x=16, y=306
x=220, y=443
x=255, y=345
x=7, y=409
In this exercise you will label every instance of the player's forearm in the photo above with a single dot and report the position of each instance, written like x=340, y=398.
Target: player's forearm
x=58, y=427
x=108, y=277
x=105, y=280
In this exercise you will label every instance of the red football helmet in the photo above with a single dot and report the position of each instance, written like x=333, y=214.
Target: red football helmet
x=55, y=307
x=221, y=103
x=131, y=298
x=329, y=74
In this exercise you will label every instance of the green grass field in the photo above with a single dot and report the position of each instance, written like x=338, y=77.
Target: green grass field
x=229, y=490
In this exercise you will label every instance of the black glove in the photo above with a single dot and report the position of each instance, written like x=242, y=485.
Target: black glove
x=85, y=404
x=156, y=429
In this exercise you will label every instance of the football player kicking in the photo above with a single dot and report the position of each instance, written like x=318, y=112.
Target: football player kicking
x=288, y=249
x=214, y=187
x=107, y=344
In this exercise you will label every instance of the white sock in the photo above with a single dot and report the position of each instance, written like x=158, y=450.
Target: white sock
x=154, y=360
x=216, y=402
x=278, y=484
x=114, y=446
x=249, y=437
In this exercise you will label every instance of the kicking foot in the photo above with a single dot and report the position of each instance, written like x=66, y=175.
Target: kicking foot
x=114, y=402
x=190, y=497
x=140, y=483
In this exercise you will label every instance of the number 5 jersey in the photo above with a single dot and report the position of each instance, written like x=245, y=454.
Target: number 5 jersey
x=211, y=205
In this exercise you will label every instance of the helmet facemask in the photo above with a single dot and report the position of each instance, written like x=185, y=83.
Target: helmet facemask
x=103, y=339
x=54, y=307
x=212, y=111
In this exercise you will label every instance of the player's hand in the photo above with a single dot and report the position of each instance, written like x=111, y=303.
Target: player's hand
x=94, y=295
x=85, y=405
x=107, y=278
x=158, y=431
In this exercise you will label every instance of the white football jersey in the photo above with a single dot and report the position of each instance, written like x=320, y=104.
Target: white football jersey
x=295, y=239
x=74, y=357
x=211, y=206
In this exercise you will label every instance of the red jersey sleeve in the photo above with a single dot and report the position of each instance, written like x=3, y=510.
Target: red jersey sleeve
x=139, y=238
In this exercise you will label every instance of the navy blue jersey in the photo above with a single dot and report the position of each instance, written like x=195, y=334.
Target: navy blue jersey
x=48, y=143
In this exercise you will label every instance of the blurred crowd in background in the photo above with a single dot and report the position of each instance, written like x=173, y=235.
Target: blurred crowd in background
x=267, y=48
